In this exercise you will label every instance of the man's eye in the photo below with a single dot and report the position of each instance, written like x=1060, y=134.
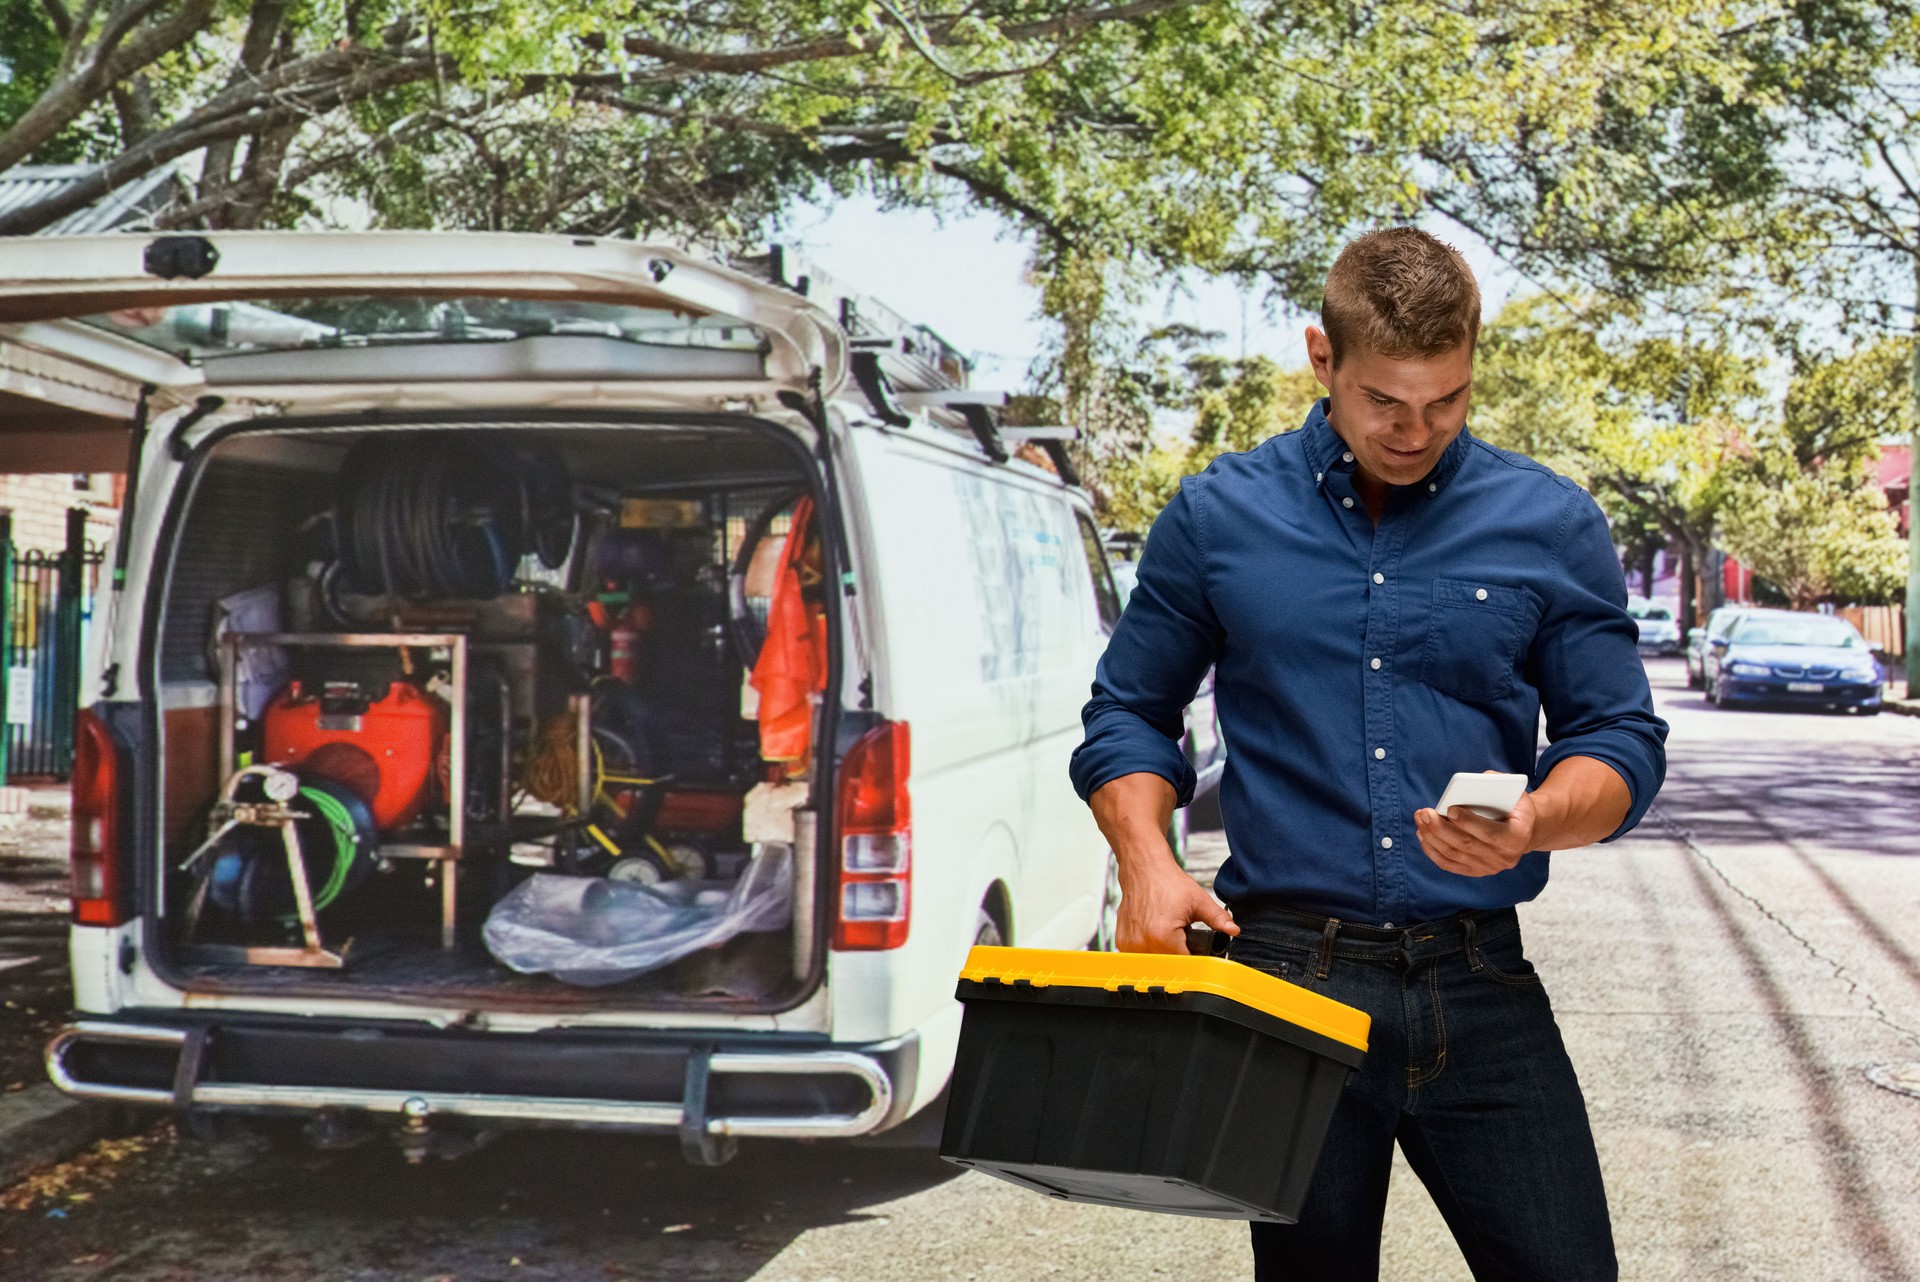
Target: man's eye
x=1380, y=400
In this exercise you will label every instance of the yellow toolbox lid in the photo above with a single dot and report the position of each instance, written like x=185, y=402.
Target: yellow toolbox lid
x=1234, y=981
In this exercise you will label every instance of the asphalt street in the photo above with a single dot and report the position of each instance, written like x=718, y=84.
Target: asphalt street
x=1725, y=976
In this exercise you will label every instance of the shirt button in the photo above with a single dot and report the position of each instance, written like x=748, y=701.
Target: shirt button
x=1432, y=488
x=1480, y=595
x=1347, y=457
x=1386, y=843
x=1346, y=502
x=1319, y=477
x=1379, y=754
x=1379, y=578
x=1376, y=665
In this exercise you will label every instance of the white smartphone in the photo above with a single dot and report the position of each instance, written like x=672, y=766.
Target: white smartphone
x=1489, y=796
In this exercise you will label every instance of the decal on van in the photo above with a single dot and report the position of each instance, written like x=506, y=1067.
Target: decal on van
x=1018, y=542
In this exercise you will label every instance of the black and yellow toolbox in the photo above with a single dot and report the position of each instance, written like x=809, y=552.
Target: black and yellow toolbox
x=1190, y=1085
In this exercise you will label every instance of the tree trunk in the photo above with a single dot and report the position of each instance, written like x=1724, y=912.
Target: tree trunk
x=1686, y=585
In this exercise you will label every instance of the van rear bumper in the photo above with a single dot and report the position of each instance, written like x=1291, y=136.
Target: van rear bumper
x=573, y=1078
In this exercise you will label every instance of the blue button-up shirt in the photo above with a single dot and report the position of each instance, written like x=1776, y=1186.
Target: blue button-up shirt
x=1357, y=667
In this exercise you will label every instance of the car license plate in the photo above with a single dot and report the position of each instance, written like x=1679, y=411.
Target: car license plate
x=1804, y=687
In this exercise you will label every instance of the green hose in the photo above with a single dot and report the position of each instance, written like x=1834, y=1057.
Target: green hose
x=346, y=844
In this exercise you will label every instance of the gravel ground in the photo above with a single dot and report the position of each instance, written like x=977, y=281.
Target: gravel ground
x=34, y=996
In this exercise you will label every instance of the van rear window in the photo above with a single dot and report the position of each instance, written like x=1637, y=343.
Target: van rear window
x=203, y=331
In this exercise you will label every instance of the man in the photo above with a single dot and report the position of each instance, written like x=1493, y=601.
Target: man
x=1386, y=600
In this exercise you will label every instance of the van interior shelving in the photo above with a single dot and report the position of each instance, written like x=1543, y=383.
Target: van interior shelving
x=492, y=649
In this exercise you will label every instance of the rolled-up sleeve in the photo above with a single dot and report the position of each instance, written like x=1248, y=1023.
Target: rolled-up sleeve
x=1592, y=687
x=1165, y=641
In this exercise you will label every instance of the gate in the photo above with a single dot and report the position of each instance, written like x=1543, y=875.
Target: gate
x=46, y=604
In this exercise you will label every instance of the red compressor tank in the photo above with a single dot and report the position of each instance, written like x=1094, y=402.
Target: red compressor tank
x=399, y=733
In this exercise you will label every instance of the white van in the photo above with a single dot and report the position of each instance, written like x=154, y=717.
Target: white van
x=447, y=570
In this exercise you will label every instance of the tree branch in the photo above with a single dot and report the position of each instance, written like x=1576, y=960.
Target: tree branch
x=940, y=33
x=230, y=116
x=109, y=62
x=881, y=132
x=263, y=29
x=58, y=18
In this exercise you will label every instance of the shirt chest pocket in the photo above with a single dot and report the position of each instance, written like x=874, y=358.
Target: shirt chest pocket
x=1475, y=631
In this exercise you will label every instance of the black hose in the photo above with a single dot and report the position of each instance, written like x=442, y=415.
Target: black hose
x=448, y=516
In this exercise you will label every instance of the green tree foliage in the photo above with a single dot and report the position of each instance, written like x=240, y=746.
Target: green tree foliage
x=1840, y=408
x=1679, y=434
x=1248, y=137
x=1239, y=403
x=1232, y=405
x=1807, y=514
x=1654, y=425
x=1816, y=539
x=30, y=56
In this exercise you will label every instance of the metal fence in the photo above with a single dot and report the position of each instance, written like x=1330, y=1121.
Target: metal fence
x=46, y=606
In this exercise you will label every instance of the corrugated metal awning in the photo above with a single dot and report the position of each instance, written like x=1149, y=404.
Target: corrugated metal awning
x=129, y=207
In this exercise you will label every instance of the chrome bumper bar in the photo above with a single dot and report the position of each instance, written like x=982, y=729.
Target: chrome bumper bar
x=525, y=1109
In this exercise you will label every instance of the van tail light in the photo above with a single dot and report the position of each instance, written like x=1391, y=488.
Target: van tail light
x=876, y=841
x=98, y=857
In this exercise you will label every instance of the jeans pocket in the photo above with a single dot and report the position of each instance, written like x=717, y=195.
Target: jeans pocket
x=1475, y=632
x=1503, y=962
x=1278, y=960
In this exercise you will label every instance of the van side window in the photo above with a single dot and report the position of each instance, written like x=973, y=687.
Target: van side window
x=1104, y=593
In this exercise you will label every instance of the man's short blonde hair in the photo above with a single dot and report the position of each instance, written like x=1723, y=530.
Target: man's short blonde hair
x=1402, y=293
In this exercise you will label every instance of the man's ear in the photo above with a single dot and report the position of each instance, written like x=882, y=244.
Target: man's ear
x=1320, y=353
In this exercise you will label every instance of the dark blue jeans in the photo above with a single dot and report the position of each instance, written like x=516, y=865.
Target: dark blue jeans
x=1466, y=1070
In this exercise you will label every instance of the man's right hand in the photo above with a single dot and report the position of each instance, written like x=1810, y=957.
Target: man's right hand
x=1158, y=899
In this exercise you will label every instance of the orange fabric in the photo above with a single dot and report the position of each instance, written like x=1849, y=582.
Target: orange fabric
x=793, y=662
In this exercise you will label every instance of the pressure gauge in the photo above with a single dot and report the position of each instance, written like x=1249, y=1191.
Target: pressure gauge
x=281, y=785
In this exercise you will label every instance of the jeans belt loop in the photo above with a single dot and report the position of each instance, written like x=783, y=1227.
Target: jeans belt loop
x=1473, y=947
x=1325, y=965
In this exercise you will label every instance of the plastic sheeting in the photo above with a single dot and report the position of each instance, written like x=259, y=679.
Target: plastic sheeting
x=592, y=931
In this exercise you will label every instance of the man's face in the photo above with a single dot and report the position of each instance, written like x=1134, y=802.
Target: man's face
x=1397, y=417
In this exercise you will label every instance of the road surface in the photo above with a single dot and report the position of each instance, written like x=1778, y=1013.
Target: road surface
x=1725, y=976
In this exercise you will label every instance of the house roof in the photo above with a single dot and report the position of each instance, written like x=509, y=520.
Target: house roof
x=1892, y=467
x=127, y=206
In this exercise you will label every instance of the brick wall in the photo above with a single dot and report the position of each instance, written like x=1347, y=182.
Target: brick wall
x=39, y=503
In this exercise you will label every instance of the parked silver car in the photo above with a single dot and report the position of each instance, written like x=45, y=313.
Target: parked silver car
x=1659, y=634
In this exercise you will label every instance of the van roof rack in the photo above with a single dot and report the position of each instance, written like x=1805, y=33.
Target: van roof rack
x=912, y=356
x=901, y=366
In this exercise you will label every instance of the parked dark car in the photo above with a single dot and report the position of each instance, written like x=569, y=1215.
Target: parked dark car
x=1786, y=658
x=1700, y=642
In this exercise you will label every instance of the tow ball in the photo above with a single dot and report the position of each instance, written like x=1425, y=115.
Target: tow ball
x=416, y=1140
x=420, y=1139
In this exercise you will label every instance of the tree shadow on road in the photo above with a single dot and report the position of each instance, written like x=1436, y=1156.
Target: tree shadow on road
x=1840, y=798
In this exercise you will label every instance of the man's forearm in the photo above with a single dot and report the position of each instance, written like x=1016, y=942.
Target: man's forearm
x=1158, y=900
x=1581, y=801
x=1134, y=812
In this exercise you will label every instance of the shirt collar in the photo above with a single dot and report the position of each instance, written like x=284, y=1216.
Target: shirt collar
x=1327, y=453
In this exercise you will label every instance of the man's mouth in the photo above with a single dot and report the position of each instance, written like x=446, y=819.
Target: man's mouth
x=1404, y=456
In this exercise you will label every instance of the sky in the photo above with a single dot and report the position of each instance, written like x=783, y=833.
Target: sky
x=964, y=276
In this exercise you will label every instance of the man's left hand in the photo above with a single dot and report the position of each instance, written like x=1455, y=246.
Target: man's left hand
x=1474, y=846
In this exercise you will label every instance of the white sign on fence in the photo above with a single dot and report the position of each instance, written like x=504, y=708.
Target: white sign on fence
x=20, y=696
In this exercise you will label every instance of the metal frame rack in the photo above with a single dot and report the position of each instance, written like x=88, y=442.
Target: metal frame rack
x=447, y=856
